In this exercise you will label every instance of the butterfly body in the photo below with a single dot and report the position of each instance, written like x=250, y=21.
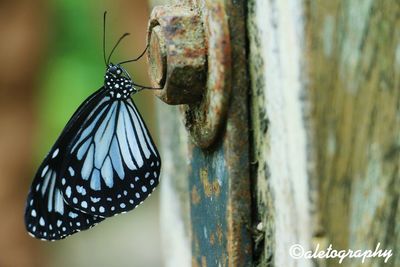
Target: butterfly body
x=104, y=163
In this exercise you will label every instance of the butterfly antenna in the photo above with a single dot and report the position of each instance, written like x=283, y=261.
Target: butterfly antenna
x=104, y=37
x=115, y=46
x=135, y=59
x=146, y=87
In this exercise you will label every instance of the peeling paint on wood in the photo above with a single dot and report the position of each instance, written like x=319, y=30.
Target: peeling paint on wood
x=280, y=154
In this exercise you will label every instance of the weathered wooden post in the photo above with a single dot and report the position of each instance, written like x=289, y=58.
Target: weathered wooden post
x=287, y=131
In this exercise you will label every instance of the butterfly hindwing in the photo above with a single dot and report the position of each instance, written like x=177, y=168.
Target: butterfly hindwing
x=47, y=215
x=113, y=164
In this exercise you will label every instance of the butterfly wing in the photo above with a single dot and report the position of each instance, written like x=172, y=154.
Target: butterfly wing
x=47, y=216
x=113, y=162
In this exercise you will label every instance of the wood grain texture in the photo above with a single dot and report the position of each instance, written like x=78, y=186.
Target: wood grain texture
x=354, y=64
x=348, y=97
x=279, y=130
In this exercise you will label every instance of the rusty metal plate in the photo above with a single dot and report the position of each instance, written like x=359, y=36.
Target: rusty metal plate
x=219, y=178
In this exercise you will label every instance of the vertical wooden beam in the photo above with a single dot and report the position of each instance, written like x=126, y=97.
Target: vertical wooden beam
x=279, y=130
x=325, y=120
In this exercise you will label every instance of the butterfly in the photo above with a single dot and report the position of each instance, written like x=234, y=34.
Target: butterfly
x=104, y=162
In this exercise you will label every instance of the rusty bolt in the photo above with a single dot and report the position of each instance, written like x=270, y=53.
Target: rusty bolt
x=177, y=54
x=190, y=58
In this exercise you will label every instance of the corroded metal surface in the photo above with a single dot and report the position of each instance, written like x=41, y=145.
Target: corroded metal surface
x=204, y=120
x=177, y=54
x=219, y=179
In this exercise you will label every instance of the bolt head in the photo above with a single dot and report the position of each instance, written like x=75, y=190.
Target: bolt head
x=177, y=55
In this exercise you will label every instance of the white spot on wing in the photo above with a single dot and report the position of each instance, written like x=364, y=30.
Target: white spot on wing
x=55, y=153
x=95, y=199
x=68, y=191
x=73, y=215
x=71, y=171
x=81, y=190
x=44, y=170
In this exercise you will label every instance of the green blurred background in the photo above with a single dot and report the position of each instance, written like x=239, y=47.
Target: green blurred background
x=51, y=60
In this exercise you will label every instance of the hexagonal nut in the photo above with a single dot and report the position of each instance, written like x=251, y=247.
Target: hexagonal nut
x=177, y=54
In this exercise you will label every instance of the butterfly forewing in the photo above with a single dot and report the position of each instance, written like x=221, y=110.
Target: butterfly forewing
x=113, y=164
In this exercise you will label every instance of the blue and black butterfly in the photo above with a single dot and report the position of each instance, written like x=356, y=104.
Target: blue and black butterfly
x=104, y=162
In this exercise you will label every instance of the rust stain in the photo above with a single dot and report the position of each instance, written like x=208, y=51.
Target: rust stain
x=210, y=188
x=194, y=262
x=212, y=239
x=219, y=234
x=193, y=52
x=203, y=261
x=206, y=184
x=216, y=188
x=196, y=198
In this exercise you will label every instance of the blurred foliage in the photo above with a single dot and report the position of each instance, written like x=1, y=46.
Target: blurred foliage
x=74, y=67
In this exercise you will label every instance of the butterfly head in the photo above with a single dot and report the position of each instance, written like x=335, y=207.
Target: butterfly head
x=118, y=82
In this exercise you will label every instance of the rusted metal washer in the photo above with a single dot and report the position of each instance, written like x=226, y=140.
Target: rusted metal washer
x=190, y=57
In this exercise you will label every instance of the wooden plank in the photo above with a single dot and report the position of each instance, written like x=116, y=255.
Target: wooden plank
x=325, y=119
